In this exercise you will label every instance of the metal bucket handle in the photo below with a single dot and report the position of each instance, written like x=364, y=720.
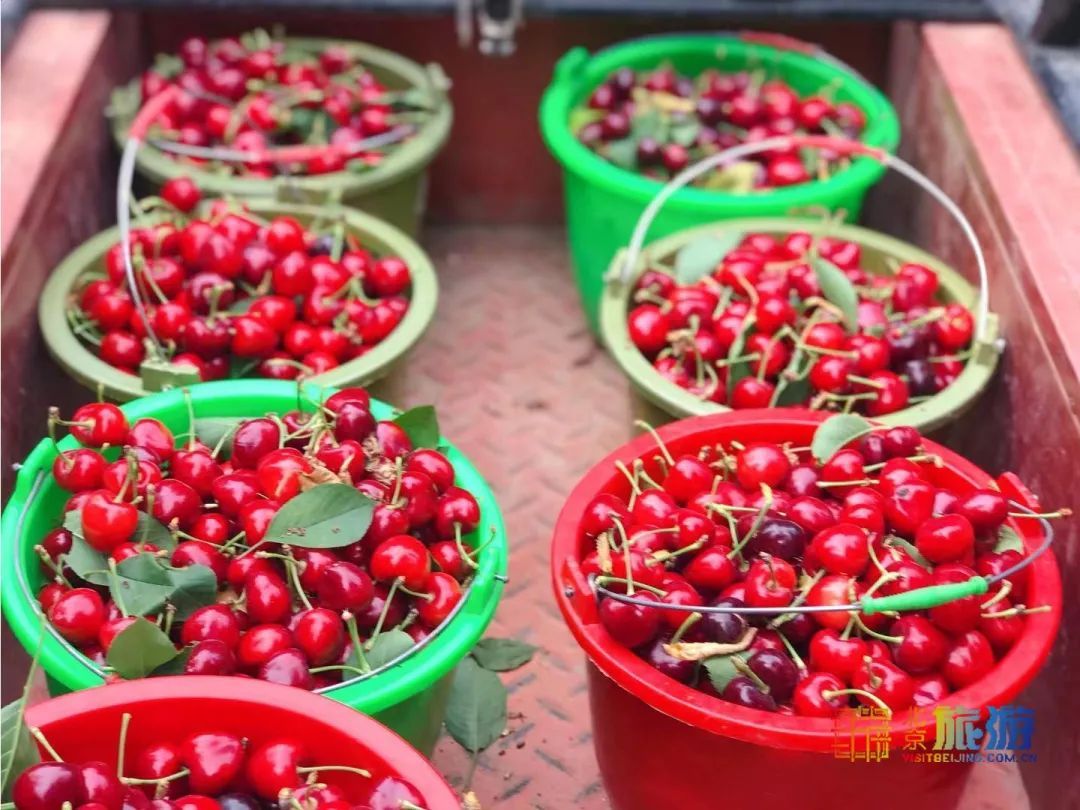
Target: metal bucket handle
x=890, y=161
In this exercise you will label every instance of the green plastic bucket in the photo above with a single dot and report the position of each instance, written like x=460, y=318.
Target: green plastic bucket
x=82, y=364
x=409, y=696
x=658, y=400
x=395, y=190
x=604, y=201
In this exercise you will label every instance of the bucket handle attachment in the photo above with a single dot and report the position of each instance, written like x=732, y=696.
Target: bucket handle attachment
x=846, y=147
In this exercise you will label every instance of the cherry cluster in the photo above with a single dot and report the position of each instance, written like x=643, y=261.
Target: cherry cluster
x=657, y=122
x=253, y=92
x=230, y=294
x=761, y=329
x=208, y=770
x=765, y=526
x=286, y=608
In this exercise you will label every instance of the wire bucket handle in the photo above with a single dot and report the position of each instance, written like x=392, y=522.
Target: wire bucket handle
x=632, y=255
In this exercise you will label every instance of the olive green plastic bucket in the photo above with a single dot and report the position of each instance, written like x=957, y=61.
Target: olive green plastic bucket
x=394, y=190
x=382, y=238
x=409, y=696
x=604, y=201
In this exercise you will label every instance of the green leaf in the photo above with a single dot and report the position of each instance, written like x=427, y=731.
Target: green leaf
x=1008, y=540
x=91, y=565
x=421, y=425
x=721, y=669
x=502, y=654
x=909, y=548
x=736, y=371
x=737, y=178
x=326, y=516
x=699, y=258
x=211, y=431
x=168, y=65
x=835, y=432
x=151, y=530
x=790, y=392
x=139, y=649
x=158, y=375
x=388, y=646
x=415, y=99
x=581, y=117
x=837, y=289
x=144, y=584
x=810, y=159
x=243, y=305
x=685, y=133
x=652, y=124
x=176, y=665
x=17, y=748
x=476, y=710
x=622, y=153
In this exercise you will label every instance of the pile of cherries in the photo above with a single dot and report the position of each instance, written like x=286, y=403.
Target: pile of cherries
x=764, y=526
x=284, y=613
x=208, y=770
x=715, y=111
x=252, y=92
x=764, y=299
x=230, y=294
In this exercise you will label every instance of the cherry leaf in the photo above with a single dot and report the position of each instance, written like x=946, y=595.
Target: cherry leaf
x=476, y=710
x=144, y=584
x=837, y=289
x=421, y=425
x=721, y=669
x=213, y=430
x=19, y=749
x=699, y=258
x=329, y=515
x=908, y=548
x=388, y=646
x=87, y=563
x=622, y=153
x=581, y=117
x=1008, y=540
x=176, y=665
x=836, y=432
x=139, y=649
x=158, y=375
x=502, y=654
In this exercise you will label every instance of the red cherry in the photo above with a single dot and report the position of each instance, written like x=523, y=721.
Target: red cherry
x=833, y=589
x=402, y=557
x=456, y=508
x=79, y=470
x=211, y=657
x=267, y=598
x=181, y=193
x=945, y=539
x=254, y=439
x=196, y=468
x=960, y=615
x=969, y=659
x=648, y=327
x=288, y=668
x=761, y=464
x=47, y=786
x=345, y=586
x=320, y=635
x=908, y=506
x=750, y=392
x=890, y=684
x=840, y=657
x=278, y=474
x=261, y=643
x=842, y=549
x=809, y=698
x=445, y=593
x=211, y=622
x=107, y=523
x=158, y=761
x=214, y=759
x=391, y=793
x=99, y=423
x=770, y=582
x=923, y=647
x=78, y=615
x=272, y=767
x=285, y=235
x=630, y=625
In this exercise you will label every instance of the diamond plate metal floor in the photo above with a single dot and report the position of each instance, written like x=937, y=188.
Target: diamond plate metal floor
x=523, y=389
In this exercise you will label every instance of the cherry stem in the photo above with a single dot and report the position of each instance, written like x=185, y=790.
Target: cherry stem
x=164, y=780
x=800, y=597
x=37, y=734
x=1018, y=610
x=464, y=552
x=886, y=577
x=875, y=633
x=1063, y=512
x=385, y=610
x=342, y=768
x=608, y=580
x=293, y=566
x=829, y=694
x=791, y=651
x=339, y=668
x=846, y=634
x=635, y=489
x=736, y=549
x=639, y=423
x=46, y=560
x=664, y=556
x=626, y=556
x=398, y=469
x=1006, y=588
x=125, y=721
x=744, y=668
x=427, y=597
x=688, y=622
x=191, y=417
x=862, y=482
x=354, y=636
x=407, y=805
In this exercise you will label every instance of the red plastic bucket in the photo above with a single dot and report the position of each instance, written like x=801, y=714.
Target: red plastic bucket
x=660, y=743
x=85, y=726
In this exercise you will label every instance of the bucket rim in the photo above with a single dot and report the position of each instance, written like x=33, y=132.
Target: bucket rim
x=684, y=703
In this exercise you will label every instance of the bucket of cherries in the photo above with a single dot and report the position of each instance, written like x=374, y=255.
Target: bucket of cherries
x=222, y=289
x=761, y=580
x=329, y=543
x=211, y=744
x=759, y=313
x=265, y=115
